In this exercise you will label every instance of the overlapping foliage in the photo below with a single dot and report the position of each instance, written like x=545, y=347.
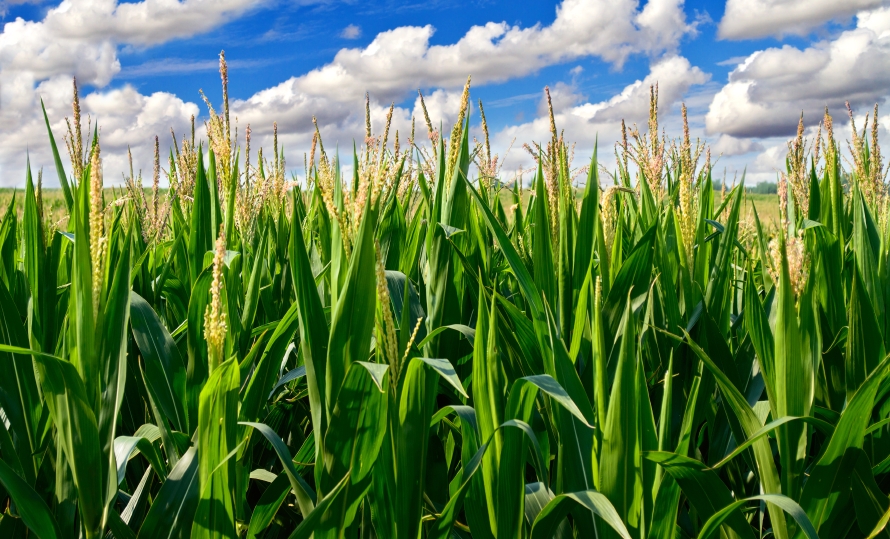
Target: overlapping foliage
x=411, y=352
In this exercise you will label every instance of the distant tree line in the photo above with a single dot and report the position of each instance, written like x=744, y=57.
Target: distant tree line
x=762, y=188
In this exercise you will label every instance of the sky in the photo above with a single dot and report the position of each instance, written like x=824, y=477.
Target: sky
x=746, y=70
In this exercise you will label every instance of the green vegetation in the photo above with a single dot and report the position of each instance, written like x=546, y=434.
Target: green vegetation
x=765, y=188
x=410, y=352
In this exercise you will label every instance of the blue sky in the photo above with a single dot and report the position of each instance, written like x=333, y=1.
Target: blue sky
x=141, y=64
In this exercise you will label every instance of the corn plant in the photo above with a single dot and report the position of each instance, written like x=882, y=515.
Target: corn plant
x=424, y=350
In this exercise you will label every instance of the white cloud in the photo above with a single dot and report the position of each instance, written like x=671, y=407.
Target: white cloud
x=81, y=37
x=170, y=66
x=351, y=32
x=149, y=22
x=766, y=94
x=748, y=19
x=674, y=76
x=734, y=61
x=6, y=4
x=590, y=123
x=402, y=59
x=771, y=160
x=562, y=96
x=729, y=146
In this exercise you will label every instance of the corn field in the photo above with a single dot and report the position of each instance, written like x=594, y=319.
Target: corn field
x=413, y=347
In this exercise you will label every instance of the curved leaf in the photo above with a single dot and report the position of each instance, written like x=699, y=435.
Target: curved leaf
x=31, y=507
x=558, y=508
x=786, y=503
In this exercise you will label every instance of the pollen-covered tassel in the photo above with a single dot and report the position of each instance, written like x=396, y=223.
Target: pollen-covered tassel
x=388, y=329
x=610, y=215
x=97, y=227
x=155, y=185
x=214, y=315
x=77, y=157
x=224, y=75
x=624, y=146
x=367, y=117
x=433, y=135
x=457, y=131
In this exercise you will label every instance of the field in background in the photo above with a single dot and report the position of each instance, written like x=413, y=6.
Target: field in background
x=54, y=203
x=767, y=207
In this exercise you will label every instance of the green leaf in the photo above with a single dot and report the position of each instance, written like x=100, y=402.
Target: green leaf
x=620, y=460
x=446, y=371
x=19, y=397
x=865, y=347
x=466, y=331
x=173, y=509
x=352, y=442
x=164, y=370
x=267, y=506
x=57, y=161
x=261, y=382
x=30, y=506
x=704, y=489
x=126, y=446
x=313, y=330
x=555, y=511
x=218, y=408
x=829, y=481
x=78, y=436
x=352, y=319
x=750, y=424
x=869, y=501
x=786, y=503
x=201, y=231
x=312, y=520
x=551, y=387
x=542, y=241
x=304, y=493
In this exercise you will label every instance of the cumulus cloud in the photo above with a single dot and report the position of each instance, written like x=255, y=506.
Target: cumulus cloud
x=748, y=19
x=589, y=123
x=82, y=38
x=674, y=76
x=351, y=32
x=729, y=146
x=402, y=59
x=767, y=92
x=562, y=96
x=6, y=4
